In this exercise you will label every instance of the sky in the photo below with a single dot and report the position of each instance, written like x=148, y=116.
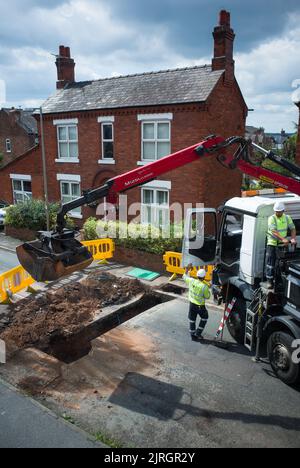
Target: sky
x=117, y=37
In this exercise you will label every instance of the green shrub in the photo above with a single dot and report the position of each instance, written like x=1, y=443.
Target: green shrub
x=32, y=215
x=135, y=236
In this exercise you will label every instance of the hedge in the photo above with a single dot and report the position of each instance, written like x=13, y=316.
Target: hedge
x=135, y=236
x=32, y=215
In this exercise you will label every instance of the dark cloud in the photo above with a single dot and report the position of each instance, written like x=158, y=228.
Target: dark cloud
x=190, y=22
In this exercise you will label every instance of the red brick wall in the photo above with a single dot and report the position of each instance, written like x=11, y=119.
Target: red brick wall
x=20, y=140
x=28, y=164
x=298, y=143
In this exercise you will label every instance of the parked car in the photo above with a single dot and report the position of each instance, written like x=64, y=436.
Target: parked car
x=3, y=206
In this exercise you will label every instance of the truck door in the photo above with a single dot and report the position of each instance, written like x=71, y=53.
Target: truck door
x=200, y=237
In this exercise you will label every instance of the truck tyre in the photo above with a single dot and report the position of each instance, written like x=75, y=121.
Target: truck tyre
x=280, y=353
x=236, y=323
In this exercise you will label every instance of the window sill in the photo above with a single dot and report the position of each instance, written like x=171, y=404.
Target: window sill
x=67, y=161
x=144, y=163
x=111, y=162
x=75, y=215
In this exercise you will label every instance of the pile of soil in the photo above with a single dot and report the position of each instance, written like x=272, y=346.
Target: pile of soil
x=35, y=321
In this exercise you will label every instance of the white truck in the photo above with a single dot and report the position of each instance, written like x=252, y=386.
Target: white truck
x=236, y=244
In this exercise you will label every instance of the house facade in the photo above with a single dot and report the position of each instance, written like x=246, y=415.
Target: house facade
x=96, y=130
x=298, y=142
x=18, y=133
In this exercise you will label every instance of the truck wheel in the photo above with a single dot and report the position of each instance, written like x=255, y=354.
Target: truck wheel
x=237, y=321
x=280, y=356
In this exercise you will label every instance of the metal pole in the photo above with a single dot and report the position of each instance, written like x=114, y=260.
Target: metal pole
x=45, y=170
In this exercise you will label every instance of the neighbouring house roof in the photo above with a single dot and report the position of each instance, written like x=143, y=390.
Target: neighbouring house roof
x=28, y=122
x=179, y=86
x=25, y=120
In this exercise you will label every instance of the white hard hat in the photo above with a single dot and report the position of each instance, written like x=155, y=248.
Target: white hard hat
x=279, y=207
x=201, y=274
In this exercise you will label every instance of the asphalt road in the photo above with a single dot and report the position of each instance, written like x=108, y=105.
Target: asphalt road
x=8, y=260
x=200, y=396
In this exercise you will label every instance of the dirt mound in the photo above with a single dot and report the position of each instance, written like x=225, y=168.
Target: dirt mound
x=35, y=321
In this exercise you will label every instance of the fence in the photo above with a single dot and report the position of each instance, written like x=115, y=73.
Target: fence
x=17, y=279
x=173, y=262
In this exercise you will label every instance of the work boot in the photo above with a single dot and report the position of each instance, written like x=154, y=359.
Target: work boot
x=196, y=338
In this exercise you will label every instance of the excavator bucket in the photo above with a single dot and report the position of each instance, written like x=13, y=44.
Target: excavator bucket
x=53, y=256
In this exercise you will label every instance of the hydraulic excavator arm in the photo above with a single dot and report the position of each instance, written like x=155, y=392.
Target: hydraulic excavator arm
x=58, y=253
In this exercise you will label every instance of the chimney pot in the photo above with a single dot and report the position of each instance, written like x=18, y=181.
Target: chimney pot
x=224, y=18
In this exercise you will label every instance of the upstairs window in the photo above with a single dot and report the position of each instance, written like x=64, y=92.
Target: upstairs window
x=156, y=140
x=67, y=142
x=8, y=145
x=107, y=133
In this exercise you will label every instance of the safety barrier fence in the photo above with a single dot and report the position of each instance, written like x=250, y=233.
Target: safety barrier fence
x=173, y=262
x=17, y=279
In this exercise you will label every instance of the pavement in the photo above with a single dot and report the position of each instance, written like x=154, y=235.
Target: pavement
x=26, y=424
x=8, y=243
x=8, y=258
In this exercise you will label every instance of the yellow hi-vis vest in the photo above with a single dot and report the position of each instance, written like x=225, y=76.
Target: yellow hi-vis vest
x=280, y=225
x=198, y=291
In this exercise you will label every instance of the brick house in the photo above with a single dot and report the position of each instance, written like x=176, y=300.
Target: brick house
x=18, y=133
x=298, y=142
x=95, y=130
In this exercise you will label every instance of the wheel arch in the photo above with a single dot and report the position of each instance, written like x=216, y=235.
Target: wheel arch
x=283, y=324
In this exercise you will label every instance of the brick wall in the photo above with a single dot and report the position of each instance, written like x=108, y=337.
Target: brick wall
x=28, y=164
x=298, y=142
x=20, y=140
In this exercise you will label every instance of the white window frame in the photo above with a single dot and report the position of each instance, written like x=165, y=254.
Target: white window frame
x=71, y=180
x=8, y=145
x=25, y=195
x=66, y=124
x=154, y=206
x=103, y=159
x=155, y=140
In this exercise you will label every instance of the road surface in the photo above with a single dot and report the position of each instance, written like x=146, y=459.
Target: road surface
x=8, y=260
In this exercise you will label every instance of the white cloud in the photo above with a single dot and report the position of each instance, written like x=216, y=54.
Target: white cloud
x=266, y=76
x=105, y=45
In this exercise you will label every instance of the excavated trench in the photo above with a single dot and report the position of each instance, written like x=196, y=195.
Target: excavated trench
x=65, y=322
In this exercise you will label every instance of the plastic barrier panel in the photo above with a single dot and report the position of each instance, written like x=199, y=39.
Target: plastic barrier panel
x=14, y=281
x=173, y=261
x=102, y=249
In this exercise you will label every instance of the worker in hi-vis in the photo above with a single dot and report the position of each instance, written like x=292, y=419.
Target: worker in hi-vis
x=199, y=292
x=278, y=226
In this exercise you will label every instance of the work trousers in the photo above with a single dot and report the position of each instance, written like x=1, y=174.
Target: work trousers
x=271, y=262
x=196, y=310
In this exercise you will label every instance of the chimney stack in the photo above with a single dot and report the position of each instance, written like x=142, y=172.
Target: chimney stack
x=65, y=67
x=223, y=47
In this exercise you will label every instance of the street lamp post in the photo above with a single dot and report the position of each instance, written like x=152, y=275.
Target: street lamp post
x=46, y=195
